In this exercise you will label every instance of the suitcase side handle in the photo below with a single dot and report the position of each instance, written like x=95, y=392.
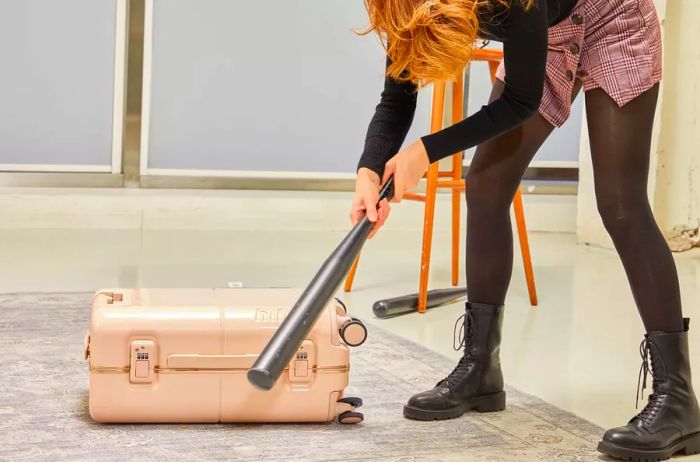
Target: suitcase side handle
x=197, y=361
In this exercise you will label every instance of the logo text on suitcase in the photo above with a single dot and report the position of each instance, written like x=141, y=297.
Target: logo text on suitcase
x=270, y=314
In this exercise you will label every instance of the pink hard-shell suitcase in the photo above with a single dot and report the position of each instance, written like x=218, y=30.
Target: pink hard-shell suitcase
x=181, y=355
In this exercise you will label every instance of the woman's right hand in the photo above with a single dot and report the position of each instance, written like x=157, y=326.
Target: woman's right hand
x=367, y=187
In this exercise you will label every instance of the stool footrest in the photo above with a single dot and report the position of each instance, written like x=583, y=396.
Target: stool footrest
x=414, y=197
x=451, y=184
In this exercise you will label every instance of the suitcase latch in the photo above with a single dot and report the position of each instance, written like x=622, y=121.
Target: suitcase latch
x=143, y=358
x=301, y=367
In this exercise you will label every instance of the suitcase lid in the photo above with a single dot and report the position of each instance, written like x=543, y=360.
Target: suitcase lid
x=202, y=329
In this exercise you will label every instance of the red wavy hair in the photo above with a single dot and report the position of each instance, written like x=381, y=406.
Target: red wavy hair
x=429, y=40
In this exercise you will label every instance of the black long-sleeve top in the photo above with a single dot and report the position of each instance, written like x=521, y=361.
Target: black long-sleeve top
x=524, y=37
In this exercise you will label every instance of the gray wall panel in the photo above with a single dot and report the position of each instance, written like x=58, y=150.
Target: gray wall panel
x=56, y=81
x=294, y=95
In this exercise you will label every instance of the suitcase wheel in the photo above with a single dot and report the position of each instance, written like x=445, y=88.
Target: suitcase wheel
x=353, y=332
x=354, y=402
x=350, y=418
x=342, y=304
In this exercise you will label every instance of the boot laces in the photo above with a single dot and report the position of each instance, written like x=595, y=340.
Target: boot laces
x=651, y=409
x=464, y=331
x=647, y=368
x=644, y=369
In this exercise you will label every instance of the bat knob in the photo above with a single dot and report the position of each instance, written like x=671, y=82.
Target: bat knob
x=381, y=309
x=261, y=379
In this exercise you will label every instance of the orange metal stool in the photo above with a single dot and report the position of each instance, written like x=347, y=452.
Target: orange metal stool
x=457, y=185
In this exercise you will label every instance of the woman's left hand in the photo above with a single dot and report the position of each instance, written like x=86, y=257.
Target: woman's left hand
x=408, y=167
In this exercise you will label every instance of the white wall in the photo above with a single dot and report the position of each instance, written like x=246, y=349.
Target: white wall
x=674, y=177
x=677, y=195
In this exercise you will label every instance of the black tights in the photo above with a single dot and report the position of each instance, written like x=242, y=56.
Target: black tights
x=620, y=145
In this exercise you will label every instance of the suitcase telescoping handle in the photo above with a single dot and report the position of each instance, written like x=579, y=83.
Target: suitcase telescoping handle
x=305, y=312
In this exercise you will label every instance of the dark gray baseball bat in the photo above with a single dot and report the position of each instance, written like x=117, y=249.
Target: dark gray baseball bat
x=405, y=304
x=285, y=342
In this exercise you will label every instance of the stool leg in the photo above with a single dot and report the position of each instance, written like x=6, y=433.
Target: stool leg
x=456, y=212
x=428, y=222
x=493, y=69
x=525, y=246
x=430, y=197
x=457, y=116
x=351, y=275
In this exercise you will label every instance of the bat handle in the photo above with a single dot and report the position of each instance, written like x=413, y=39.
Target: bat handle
x=387, y=191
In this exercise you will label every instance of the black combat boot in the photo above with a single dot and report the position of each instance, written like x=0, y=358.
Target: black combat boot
x=670, y=422
x=477, y=381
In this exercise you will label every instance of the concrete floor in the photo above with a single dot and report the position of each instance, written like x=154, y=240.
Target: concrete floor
x=577, y=350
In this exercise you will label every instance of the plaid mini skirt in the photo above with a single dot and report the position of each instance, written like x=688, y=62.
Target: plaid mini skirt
x=614, y=45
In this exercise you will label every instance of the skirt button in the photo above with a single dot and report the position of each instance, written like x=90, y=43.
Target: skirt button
x=569, y=75
x=574, y=48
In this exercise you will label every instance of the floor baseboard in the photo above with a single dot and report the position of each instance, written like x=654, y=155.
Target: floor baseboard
x=101, y=208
